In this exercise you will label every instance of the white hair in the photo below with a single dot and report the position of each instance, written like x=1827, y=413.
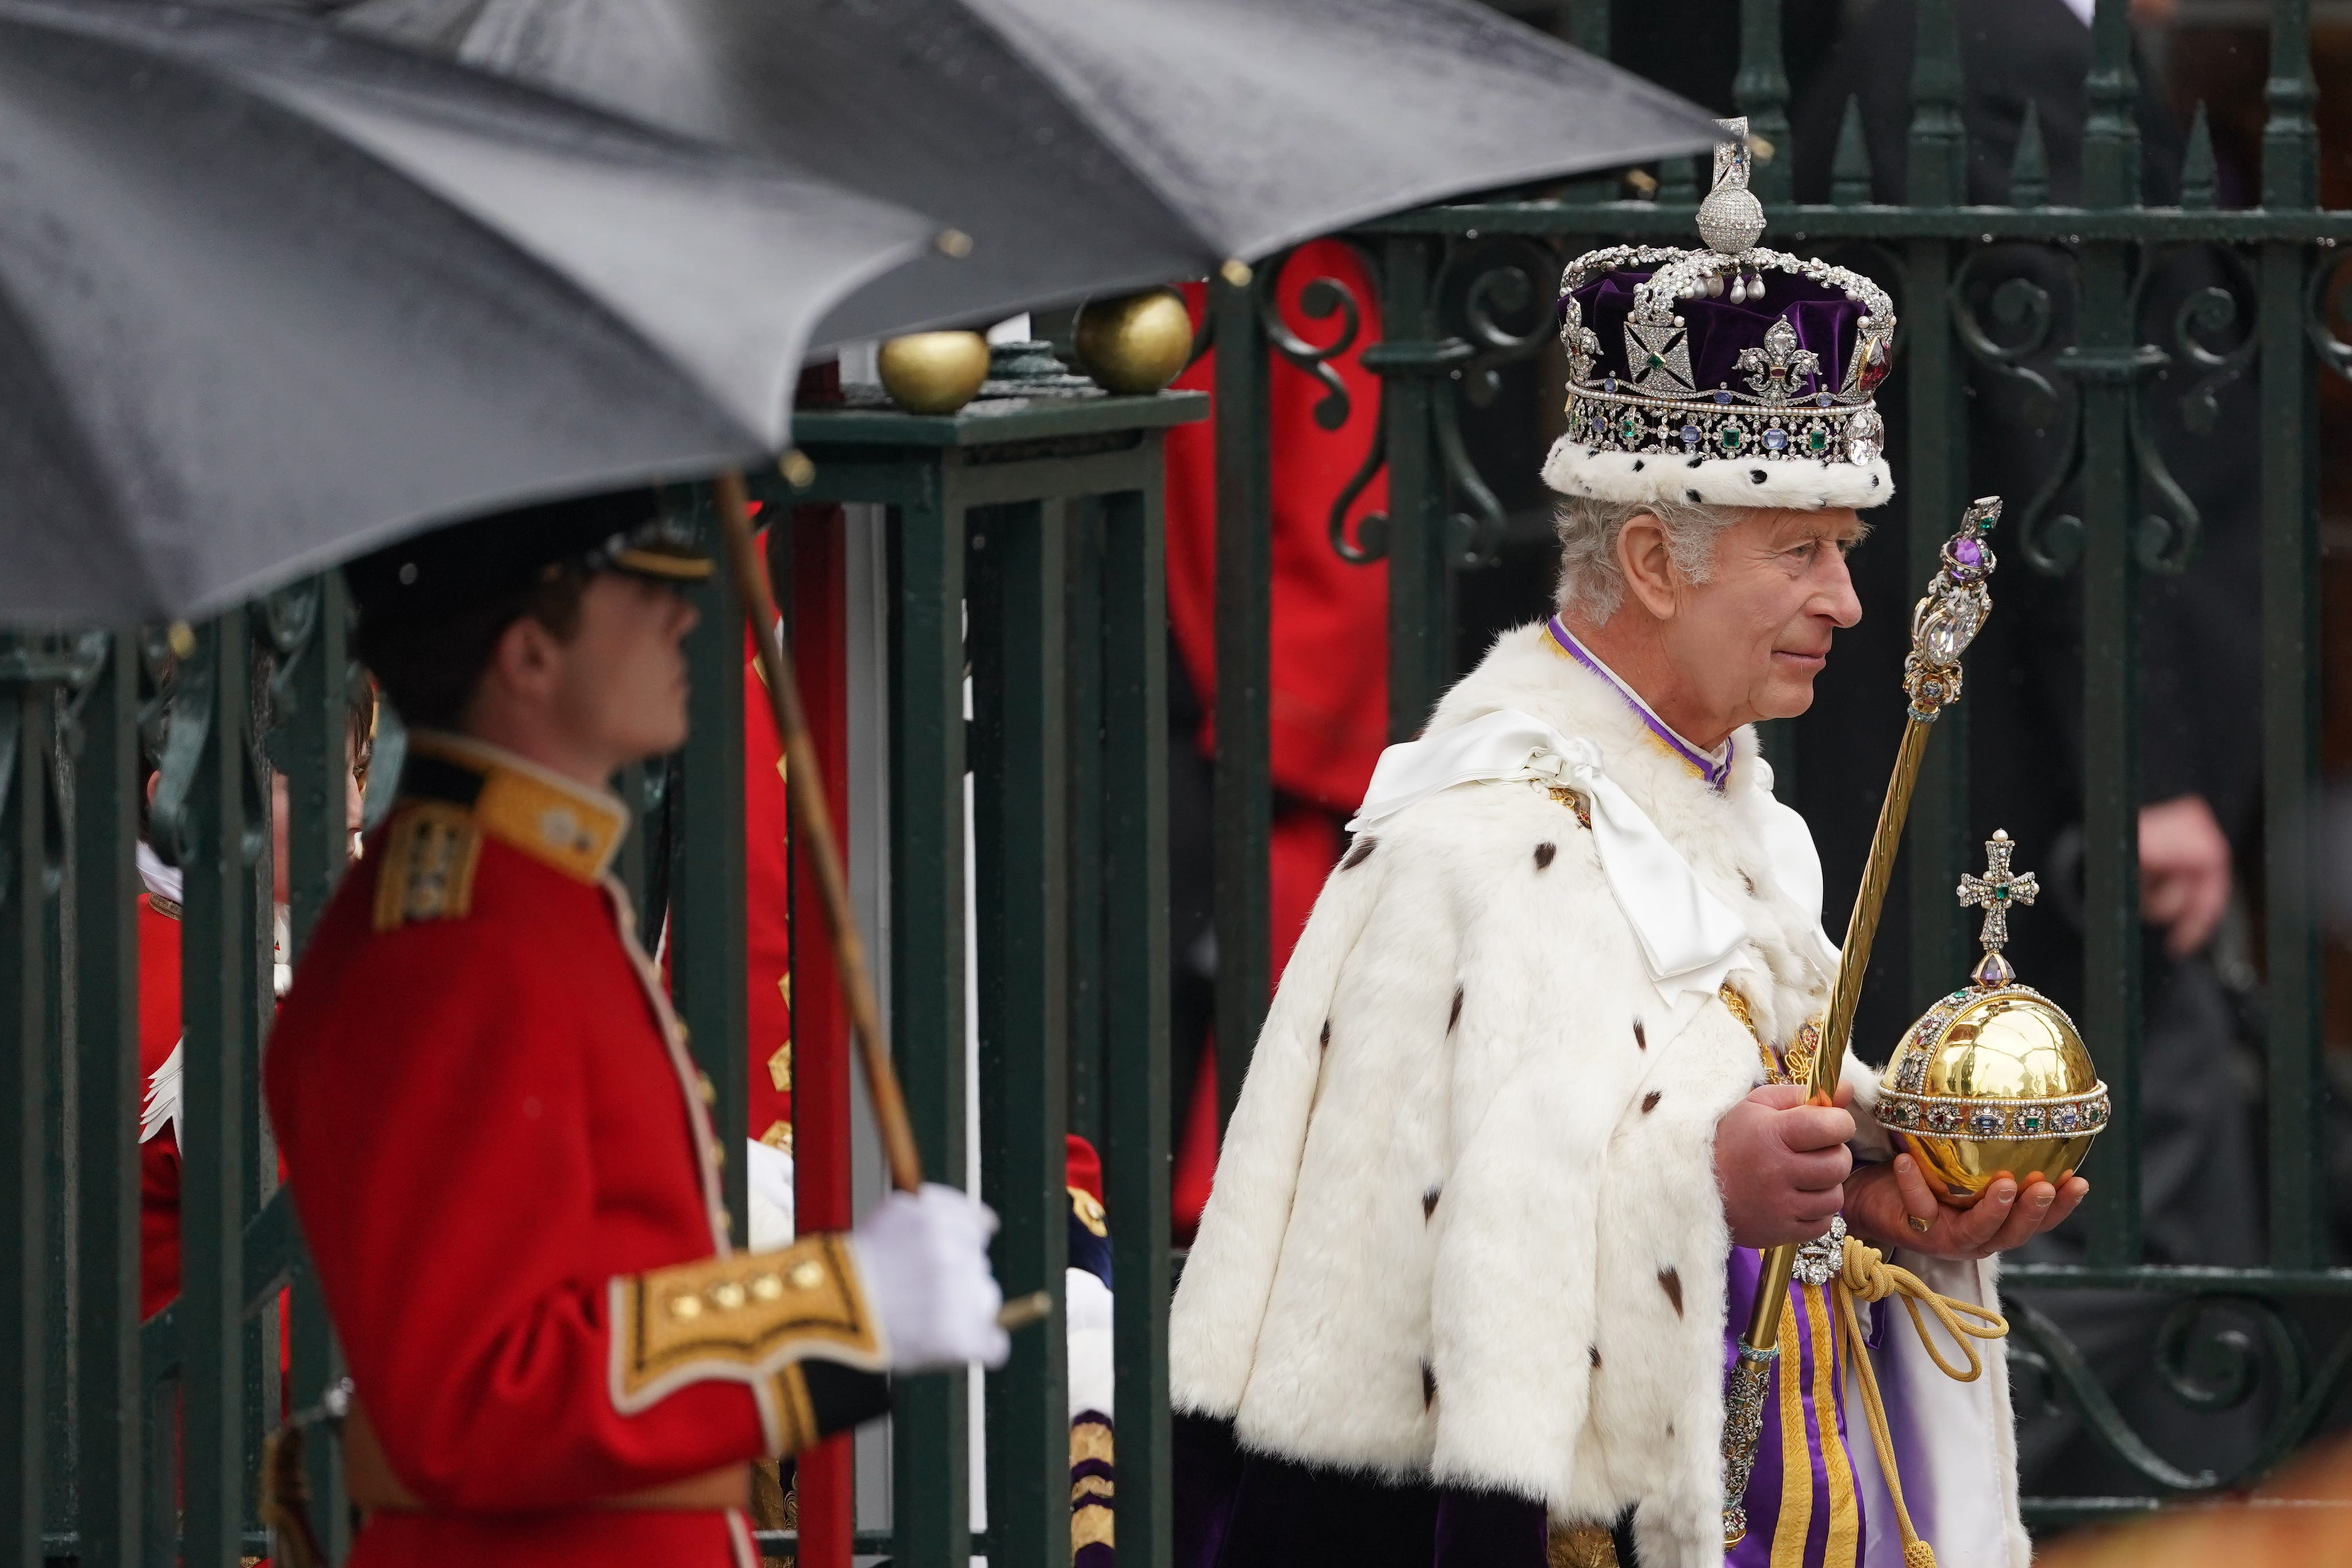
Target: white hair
x=1592, y=582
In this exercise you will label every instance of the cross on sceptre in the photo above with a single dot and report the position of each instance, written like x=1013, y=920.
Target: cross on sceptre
x=1996, y=892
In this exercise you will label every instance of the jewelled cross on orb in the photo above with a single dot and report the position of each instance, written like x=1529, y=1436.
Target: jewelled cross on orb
x=1996, y=892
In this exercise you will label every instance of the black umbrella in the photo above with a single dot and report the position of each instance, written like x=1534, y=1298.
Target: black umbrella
x=1084, y=145
x=270, y=294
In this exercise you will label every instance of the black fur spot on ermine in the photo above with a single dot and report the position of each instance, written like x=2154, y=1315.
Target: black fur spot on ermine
x=1693, y=496
x=1594, y=1351
x=1326, y=1034
x=1360, y=852
x=1671, y=1283
x=1754, y=476
x=1641, y=1036
x=1428, y=1385
x=1749, y=882
x=1544, y=852
x=1429, y=1203
x=1455, y=1016
x=1694, y=462
x=1637, y=465
x=1650, y=1101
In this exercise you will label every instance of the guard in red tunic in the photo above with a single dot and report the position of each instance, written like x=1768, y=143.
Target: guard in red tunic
x=496, y=1141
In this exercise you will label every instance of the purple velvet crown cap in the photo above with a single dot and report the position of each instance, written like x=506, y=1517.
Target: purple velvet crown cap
x=1824, y=318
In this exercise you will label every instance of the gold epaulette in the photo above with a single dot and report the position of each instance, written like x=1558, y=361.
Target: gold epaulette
x=427, y=867
x=749, y=1318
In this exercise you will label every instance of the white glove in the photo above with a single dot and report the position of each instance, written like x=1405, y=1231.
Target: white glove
x=924, y=1260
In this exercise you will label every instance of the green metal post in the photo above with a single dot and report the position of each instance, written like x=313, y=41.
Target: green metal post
x=2291, y=673
x=931, y=1497
x=106, y=781
x=1419, y=645
x=1935, y=488
x=318, y=764
x=23, y=1125
x=706, y=909
x=217, y=960
x=1135, y=965
x=2107, y=367
x=1244, y=787
x=1938, y=143
x=1761, y=92
x=1018, y=779
x=1084, y=664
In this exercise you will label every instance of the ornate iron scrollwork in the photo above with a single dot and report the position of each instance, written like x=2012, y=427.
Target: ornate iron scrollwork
x=1321, y=299
x=2027, y=311
x=1480, y=289
x=2207, y=1361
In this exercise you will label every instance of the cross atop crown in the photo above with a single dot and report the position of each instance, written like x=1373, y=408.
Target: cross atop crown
x=1996, y=892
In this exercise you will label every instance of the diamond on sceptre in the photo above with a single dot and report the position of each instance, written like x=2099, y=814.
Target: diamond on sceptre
x=1996, y=892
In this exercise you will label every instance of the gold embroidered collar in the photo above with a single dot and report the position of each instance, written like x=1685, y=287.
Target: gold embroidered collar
x=553, y=819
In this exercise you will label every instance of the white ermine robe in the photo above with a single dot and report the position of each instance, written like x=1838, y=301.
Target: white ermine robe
x=1466, y=1230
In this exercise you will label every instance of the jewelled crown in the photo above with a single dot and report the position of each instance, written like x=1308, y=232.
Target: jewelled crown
x=1730, y=375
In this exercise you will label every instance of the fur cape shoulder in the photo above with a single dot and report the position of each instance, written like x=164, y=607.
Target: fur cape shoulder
x=1465, y=1226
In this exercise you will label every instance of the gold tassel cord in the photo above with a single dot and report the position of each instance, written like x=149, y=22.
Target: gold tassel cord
x=1865, y=1275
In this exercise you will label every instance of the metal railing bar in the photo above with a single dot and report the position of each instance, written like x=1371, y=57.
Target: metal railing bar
x=1019, y=779
x=2187, y=1279
x=108, y=1384
x=1797, y=224
x=1242, y=780
x=1135, y=966
x=932, y=1495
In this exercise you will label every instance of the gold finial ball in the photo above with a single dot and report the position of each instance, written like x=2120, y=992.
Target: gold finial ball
x=1136, y=344
x=1992, y=1081
x=934, y=372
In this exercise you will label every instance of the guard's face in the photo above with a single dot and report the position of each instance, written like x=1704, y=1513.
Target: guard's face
x=1757, y=632
x=620, y=682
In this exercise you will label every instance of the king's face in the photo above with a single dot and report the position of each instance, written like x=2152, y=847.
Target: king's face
x=1777, y=591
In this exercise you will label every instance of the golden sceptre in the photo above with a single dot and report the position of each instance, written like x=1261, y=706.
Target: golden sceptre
x=1942, y=626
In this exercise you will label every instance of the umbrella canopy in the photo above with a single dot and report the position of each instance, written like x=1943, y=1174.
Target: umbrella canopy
x=271, y=294
x=1084, y=147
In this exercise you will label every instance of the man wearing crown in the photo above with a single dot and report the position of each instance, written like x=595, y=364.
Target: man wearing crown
x=1485, y=1224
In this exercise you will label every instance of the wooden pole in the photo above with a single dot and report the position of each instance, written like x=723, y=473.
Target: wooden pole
x=805, y=788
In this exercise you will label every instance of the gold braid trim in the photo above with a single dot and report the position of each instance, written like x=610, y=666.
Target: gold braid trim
x=749, y=1317
x=1866, y=1276
x=428, y=874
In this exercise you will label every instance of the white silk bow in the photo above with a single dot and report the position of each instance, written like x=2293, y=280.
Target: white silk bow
x=1689, y=940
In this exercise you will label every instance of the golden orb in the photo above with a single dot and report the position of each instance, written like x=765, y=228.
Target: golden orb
x=1993, y=1081
x=1137, y=343
x=934, y=372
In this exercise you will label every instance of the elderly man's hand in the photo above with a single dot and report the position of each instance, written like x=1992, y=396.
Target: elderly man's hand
x=1780, y=1164
x=1882, y=1200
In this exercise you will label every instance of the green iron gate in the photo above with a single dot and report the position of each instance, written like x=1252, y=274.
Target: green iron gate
x=1453, y=279
x=97, y=1413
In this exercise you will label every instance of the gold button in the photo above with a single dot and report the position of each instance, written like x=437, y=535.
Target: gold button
x=717, y=1157
x=685, y=1306
x=766, y=1287
x=727, y=1295
x=702, y=1079
x=806, y=1275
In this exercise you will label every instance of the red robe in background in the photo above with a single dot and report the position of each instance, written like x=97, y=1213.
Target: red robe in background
x=1329, y=663
x=159, y=1155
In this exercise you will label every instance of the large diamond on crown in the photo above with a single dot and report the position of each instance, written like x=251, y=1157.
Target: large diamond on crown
x=1659, y=358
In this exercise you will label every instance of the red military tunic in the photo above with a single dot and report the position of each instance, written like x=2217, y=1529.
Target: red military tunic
x=502, y=1164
